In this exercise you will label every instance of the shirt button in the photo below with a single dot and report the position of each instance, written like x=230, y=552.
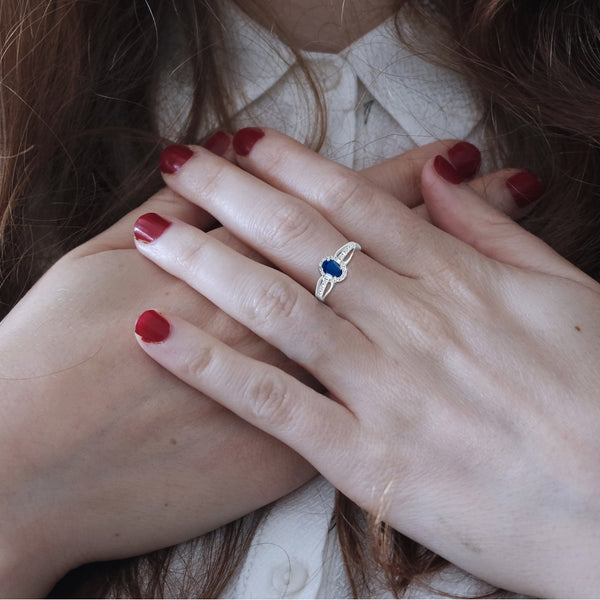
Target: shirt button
x=289, y=578
x=330, y=72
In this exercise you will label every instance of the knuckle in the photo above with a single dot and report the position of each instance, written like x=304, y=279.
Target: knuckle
x=289, y=226
x=208, y=184
x=270, y=400
x=277, y=301
x=431, y=331
x=346, y=191
x=190, y=256
x=456, y=277
x=435, y=332
x=199, y=364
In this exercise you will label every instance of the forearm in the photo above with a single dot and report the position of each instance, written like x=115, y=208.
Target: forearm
x=31, y=559
x=27, y=571
x=19, y=582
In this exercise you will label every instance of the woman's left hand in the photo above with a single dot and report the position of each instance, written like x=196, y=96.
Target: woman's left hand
x=461, y=360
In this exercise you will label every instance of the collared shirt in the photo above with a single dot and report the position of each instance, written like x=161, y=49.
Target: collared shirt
x=381, y=100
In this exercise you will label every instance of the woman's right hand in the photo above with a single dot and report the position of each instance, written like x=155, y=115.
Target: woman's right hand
x=103, y=453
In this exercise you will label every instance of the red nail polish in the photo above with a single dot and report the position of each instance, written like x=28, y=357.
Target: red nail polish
x=446, y=171
x=525, y=188
x=173, y=158
x=152, y=327
x=149, y=227
x=465, y=158
x=218, y=143
x=244, y=139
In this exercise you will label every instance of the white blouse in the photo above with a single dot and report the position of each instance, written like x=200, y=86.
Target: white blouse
x=381, y=100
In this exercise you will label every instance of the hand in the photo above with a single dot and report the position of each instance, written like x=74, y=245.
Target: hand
x=105, y=454
x=462, y=377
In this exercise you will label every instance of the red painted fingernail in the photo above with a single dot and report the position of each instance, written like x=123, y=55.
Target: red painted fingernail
x=173, y=158
x=244, y=139
x=525, y=188
x=218, y=143
x=446, y=171
x=152, y=327
x=465, y=158
x=149, y=227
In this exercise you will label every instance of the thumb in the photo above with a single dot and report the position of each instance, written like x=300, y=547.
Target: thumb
x=458, y=209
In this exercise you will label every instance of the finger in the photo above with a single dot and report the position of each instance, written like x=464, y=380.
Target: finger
x=259, y=393
x=284, y=163
x=459, y=210
x=510, y=191
x=400, y=176
x=266, y=301
x=294, y=235
x=220, y=144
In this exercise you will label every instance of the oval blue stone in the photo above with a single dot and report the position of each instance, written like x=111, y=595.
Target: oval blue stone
x=331, y=267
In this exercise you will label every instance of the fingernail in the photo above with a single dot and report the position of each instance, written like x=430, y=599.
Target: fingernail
x=218, y=143
x=465, y=158
x=446, y=171
x=525, y=188
x=173, y=158
x=152, y=327
x=150, y=227
x=244, y=139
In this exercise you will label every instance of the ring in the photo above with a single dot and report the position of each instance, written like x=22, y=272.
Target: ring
x=334, y=269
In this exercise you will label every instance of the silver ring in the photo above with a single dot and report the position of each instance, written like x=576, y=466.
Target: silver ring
x=334, y=269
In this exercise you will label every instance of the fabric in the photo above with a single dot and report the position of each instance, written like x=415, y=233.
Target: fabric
x=381, y=100
x=295, y=554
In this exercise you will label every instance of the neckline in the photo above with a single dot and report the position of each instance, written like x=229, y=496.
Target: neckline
x=308, y=48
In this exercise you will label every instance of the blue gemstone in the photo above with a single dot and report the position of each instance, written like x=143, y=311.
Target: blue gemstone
x=331, y=267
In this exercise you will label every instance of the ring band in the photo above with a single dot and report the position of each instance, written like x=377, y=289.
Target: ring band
x=333, y=269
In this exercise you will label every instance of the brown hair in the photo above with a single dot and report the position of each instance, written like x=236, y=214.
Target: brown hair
x=79, y=145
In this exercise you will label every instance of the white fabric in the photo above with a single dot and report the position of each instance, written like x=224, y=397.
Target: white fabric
x=286, y=558
x=295, y=554
x=381, y=100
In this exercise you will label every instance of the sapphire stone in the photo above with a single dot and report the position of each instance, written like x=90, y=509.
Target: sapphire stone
x=331, y=267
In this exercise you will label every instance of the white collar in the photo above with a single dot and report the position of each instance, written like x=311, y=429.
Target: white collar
x=427, y=100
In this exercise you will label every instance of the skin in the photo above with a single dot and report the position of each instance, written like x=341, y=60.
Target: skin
x=104, y=453
x=461, y=360
x=318, y=26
